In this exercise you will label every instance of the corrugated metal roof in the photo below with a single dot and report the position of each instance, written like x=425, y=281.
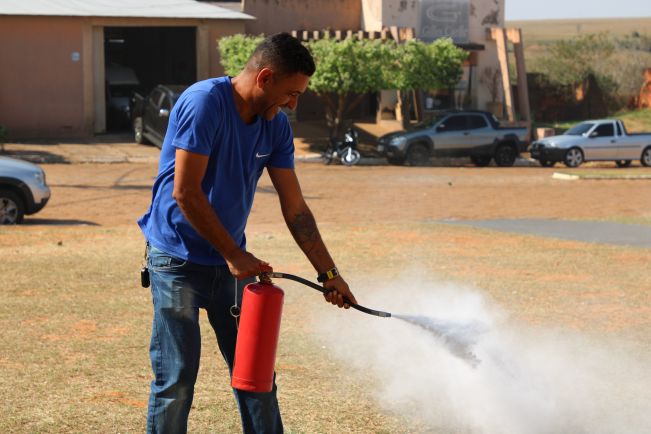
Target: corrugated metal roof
x=120, y=8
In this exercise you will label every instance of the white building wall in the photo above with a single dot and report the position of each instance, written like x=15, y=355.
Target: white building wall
x=485, y=14
x=372, y=15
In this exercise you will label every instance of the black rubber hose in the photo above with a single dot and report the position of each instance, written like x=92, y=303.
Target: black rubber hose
x=323, y=290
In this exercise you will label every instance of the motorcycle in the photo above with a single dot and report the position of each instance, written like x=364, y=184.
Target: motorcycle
x=344, y=150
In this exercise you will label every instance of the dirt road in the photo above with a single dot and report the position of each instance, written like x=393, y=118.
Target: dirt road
x=116, y=194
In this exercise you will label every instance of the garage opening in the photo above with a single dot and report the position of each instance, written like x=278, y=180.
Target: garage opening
x=138, y=59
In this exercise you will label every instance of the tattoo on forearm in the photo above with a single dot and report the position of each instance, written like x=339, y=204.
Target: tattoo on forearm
x=303, y=228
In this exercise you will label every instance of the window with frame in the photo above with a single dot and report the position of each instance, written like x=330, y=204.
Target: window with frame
x=455, y=123
x=476, y=122
x=605, y=130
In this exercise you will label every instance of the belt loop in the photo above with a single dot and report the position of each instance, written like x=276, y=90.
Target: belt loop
x=235, y=309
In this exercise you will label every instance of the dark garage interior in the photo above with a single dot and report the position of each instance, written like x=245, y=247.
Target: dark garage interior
x=139, y=58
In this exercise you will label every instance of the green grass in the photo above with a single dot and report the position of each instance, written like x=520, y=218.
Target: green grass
x=634, y=120
x=541, y=31
x=640, y=220
x=598, y=173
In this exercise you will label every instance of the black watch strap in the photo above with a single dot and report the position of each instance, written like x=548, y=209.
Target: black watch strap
x=328, y=275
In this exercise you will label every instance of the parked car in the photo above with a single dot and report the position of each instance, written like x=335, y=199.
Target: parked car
x=121, y=84
x=151, y=113
x=597, y=140
x=23, y=190
x=474, y=134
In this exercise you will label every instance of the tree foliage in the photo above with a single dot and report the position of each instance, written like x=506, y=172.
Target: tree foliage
x=418, y=65
x=235, y=51
x=348, y=66
x=345, y=69
x=616, y=63
x=572, y=61
x=349, y=69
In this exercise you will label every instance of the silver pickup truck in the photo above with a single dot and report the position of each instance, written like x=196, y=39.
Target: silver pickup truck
x=474, y=134
x=598, y=140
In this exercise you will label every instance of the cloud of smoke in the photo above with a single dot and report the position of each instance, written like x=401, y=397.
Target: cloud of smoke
x=528, y=380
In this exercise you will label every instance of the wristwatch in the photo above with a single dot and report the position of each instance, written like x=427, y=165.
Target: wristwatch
x=328, y=275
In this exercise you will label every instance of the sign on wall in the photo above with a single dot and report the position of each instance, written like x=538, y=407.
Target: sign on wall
x=444, y=19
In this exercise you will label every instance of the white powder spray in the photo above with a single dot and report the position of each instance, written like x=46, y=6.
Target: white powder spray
x=525, y=380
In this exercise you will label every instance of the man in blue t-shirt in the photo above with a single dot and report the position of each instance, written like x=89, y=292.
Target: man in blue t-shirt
x=222, y=134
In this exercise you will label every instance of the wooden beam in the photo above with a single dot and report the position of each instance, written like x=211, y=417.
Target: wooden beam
x=99, y=93
x=514, y=35
x=523, y=88
x=394, y=33
x=407, y=33
x=499, y=35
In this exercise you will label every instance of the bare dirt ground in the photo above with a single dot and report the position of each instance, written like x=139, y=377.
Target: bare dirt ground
x=116, y=194
x=76, y=323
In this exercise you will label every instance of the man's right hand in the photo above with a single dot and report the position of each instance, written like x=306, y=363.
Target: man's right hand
x=243, y=264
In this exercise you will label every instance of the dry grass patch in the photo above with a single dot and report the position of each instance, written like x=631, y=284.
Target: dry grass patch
x=76, y=323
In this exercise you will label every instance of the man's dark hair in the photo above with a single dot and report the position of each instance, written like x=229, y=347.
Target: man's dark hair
x=284, y=54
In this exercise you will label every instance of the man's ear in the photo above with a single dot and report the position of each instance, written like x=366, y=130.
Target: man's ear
x=264, y=77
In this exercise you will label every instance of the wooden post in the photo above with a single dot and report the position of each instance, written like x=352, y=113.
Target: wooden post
x=394, y=33
x=515, y=36
x=499, y=35
x=407, y=33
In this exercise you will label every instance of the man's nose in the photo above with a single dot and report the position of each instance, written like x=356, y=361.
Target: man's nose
x=292, y=103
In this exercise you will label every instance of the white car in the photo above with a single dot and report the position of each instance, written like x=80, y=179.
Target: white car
x=598, y=140
x=23, y=190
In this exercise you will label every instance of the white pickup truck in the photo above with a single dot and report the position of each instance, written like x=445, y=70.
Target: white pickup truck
x=598, y=140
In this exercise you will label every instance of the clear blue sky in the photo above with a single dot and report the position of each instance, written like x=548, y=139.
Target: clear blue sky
x=546, y=9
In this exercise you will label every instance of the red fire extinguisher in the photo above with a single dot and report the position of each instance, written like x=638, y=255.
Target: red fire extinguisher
x=257, y=337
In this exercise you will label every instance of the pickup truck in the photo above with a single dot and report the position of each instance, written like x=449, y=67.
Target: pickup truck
x=151, y=113
x=597, y=140
x=474, y=134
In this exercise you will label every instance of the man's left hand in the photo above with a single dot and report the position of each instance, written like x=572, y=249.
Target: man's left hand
x=338, y=291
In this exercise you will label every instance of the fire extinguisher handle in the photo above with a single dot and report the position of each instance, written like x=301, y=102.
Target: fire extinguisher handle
x=323, y=290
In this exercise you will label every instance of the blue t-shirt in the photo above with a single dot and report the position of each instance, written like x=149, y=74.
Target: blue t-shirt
x=205, y=121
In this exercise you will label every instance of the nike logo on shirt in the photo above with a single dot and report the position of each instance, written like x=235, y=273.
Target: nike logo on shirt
x=257, y=155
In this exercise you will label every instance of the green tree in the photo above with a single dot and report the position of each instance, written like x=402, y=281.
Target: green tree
x=418, y=65
x=346, y=71
x=349, y=69
x=235, y=51
x=580, y=61
x=573, y=61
